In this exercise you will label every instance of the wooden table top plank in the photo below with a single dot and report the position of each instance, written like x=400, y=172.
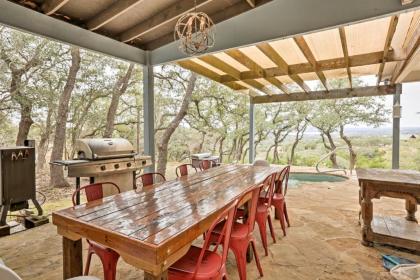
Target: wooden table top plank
x=146, y=202
x=130, y=198
x=238, y=187
x=392, y=176
x=137, y=216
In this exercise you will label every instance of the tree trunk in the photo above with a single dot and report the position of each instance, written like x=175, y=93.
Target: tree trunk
x=56, y=172
x=332, y=147
x=222, y=140
x=167, y=134
x=119, y=89
x=299, y=135
x=25, y=123
x=44, y=141
x=352, y=153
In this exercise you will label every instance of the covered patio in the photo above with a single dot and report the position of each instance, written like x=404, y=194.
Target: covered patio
x=272, y=51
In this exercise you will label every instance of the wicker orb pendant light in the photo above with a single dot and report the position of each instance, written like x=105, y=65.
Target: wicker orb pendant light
x=195, y=32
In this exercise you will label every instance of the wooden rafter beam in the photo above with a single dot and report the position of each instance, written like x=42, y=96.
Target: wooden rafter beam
x=252, y=66
x=411, y=46
x=406, y=2
x=303, y=46
x=111, y=13
x=231, y=71
x=332, y=94
x=275, y=82
x=221, y=65
x=274, y=56
x=391, y=31
x=323, y=65
x=298, y=80
x=259, y=86
x=51, y=6
x=161, y=18
x=203, y=71
x=251, y=3
x=345, y=48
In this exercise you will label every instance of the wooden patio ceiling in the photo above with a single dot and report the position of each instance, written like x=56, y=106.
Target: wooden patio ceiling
x=385, y=49
x=146, y=24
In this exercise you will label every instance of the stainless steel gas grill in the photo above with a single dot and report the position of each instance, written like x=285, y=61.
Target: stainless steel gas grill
x=105, y=160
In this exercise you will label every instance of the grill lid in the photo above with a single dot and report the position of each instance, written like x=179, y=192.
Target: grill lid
x=103, y=148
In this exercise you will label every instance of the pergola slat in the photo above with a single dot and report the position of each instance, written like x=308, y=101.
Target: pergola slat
x=410, y=48
x=273, y=55
x=298, y=80
x=332, y=94
x=111, y=13
x=391, y=31
x=199, y=69
x=344, y=46
x=323, y=65
x=220, y=64
x=275, y=82
x=303, y=46
x=51, y=6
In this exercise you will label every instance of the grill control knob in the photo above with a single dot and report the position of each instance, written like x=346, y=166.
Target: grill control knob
x=103, y=167
x=129, y=164
x=117, y=166
x=143, y=162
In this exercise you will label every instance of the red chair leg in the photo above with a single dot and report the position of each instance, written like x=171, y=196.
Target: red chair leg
x=286, y=215
x=282, y=223
x=109, y=263
x=257, y=259
x=88, y=259
x=270, y=225
x=240, y=256
x=263, y=232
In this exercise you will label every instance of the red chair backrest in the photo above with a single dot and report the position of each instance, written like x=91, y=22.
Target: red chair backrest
x=182, y=170
x=93, y=191
x=282, y=180
x=228, y=215
x=148, y=179
x=268, y=187
x=206, y=164
x=255, y=194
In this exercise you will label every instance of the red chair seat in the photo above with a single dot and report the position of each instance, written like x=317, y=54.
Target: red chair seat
x=185, y=267
x=239, y=230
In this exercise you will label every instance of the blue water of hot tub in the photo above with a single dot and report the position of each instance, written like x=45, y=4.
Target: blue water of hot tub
x=296, y=179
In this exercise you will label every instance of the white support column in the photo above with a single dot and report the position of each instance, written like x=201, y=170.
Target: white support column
x=251, y=132
x=396, y=116
x=149, y=111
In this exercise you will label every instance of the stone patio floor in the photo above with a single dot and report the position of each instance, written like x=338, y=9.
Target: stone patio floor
x=323, y=242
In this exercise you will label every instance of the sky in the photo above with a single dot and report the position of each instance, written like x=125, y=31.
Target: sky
x=410, y=102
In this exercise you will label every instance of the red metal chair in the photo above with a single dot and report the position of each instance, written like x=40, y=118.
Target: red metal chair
x=201, y=263
x=182, y=170
x=278, y=200
x=207, y=164
x=263, y=210
x=149, y=179
x=108, y=257
x=242, y=236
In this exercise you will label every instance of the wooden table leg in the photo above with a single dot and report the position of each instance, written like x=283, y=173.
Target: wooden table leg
x=72, y=258
x=163, y=276
x=367, y=216
x=411, y=207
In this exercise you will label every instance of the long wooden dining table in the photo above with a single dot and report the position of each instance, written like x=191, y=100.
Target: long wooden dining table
x=153, y=227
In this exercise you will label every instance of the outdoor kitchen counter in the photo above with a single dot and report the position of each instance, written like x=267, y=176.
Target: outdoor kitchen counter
x=152, y=228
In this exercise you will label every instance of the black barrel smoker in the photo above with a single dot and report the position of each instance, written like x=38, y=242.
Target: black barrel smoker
x=17, y=184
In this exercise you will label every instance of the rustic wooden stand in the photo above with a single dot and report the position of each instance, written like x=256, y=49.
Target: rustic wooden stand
x=401, y=184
